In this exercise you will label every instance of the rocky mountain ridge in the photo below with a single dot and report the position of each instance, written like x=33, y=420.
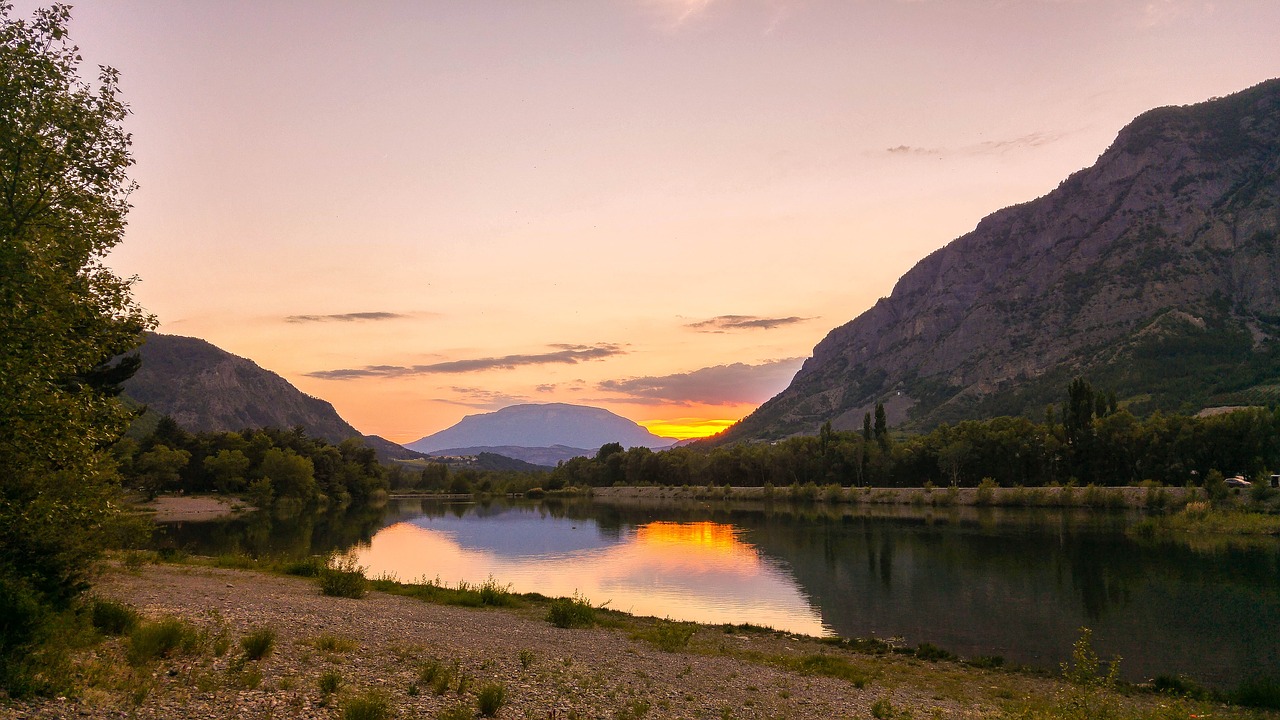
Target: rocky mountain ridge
x=1155, y=272
x=207, y=389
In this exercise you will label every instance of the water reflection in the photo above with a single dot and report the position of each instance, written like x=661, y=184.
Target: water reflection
x=1018, y=584
x=702, y=570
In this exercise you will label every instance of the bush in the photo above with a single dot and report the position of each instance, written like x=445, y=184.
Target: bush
x=304, y=567
x=987, y=491
x=457, y=712
x=1259, y=693
x=334, y=643
x=933, y=653
x=151, y=641
x=668, y=636
x=258, y=643
x=113, y=618
x=369, y=706
x=574, y=612
x=882, y=709
x=343, y=578
x=490, y=699
x=329, y=682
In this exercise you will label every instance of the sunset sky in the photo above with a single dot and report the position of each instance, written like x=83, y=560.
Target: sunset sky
x=422, y=210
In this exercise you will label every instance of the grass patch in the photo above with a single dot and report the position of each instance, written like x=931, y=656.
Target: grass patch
x=258, y=643
x=457, y=712
x=668, y=636
x=486, y=594
x=329, y=682
x=574, y=612
x=366, y=706
x=490, y=699
x=151, y=641
x=334, y=643
x=112, y=618
x=342, y=577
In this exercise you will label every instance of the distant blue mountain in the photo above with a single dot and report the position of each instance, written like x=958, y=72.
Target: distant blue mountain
x=541, y=426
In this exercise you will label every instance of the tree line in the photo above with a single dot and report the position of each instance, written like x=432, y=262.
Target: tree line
x=1090, y=440
x=268, y=466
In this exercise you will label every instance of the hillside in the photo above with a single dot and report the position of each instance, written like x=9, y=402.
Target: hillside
x=540, y=426
x=1154, y=273
x=206, y=389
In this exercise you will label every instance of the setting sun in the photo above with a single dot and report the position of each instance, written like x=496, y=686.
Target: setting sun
x=686, y=428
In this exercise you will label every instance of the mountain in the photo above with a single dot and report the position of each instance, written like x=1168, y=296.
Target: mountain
x=1155, y=273
x=541, y=456
x=540, y=426
x=207, y=389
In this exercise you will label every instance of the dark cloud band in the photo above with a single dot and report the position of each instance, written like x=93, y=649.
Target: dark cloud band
x=345, y=317
x=724, y=323
x=720, y=385
x=567, y=355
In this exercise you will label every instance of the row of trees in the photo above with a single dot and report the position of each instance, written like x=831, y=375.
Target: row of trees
x=1090, y=441
x=268, y=466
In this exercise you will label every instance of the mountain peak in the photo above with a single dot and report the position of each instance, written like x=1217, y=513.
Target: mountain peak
x=1177, y=219
x=541, y=425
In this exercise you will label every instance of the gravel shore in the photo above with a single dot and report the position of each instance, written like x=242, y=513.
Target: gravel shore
x=583, y=673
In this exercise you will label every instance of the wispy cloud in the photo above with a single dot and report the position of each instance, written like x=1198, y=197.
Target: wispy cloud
x=989, y=147
x=484, y=399
x=564, y=354
x=719, y=385
x=725, y=323
x=345, y=317
x=1161, y=12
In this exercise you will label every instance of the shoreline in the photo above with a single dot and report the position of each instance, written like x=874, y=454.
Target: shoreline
x=612, y=670
x=192, y=508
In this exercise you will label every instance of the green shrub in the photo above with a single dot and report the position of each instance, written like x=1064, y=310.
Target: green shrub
x=1085, y=667
x=334, y=643
x=494, y=595
x=258, y=643
x=574, y=612
x=342, y=577
x=151, y=641
x=882, y=709
x=526, y=658
x=329, y=682
x=1259, y=693
x=933, y=653
x=304, y=567
x=113, y=618
x=490, y=699
x=457, y=712
x=1180, y=686
x=668, y=636
x=987, y=491
x=367, y=706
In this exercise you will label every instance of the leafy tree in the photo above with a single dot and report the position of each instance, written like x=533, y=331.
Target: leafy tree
x=159, y=467
x=228, y=469
x=64, y=188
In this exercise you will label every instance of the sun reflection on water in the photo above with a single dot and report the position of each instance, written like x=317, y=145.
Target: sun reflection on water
x=703, y=571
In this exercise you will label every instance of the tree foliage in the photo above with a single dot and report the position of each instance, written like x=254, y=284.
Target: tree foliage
x=64, y=188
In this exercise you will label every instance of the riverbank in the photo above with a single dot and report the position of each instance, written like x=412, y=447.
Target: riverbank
x=1065, y=496
x=193, y=508
x=330, y=653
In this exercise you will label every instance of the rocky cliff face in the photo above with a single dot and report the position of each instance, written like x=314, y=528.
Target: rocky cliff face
x=1156, y=273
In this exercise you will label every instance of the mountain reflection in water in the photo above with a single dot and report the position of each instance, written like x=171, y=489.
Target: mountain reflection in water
x=705, y=569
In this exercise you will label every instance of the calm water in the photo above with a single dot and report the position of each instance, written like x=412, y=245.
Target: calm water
x=1014, y=584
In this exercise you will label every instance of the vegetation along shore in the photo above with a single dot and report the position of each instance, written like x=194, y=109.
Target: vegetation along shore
x=199, y=639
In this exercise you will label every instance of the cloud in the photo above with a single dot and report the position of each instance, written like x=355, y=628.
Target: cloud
x=1163, y=12
x=565, y=354
x=484, y=399
x=719, y=385
x=345, y=317
x=989, y=147
x=550, y=387
x=723, y=323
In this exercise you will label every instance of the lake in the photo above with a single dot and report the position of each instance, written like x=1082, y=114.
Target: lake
x=977, y=582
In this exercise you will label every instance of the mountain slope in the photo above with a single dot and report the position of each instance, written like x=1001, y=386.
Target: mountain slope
x=205, y=389
x=1155, y=272
x=540, y=425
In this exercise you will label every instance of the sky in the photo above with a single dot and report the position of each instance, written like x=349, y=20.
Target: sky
x=423, y=210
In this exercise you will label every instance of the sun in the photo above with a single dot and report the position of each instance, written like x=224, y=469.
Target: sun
x=687, y=428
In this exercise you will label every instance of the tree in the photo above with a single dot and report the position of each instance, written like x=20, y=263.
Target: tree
x=882, y=427
x=64, y=189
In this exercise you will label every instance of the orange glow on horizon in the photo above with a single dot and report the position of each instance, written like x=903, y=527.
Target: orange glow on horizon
x=687, y=428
